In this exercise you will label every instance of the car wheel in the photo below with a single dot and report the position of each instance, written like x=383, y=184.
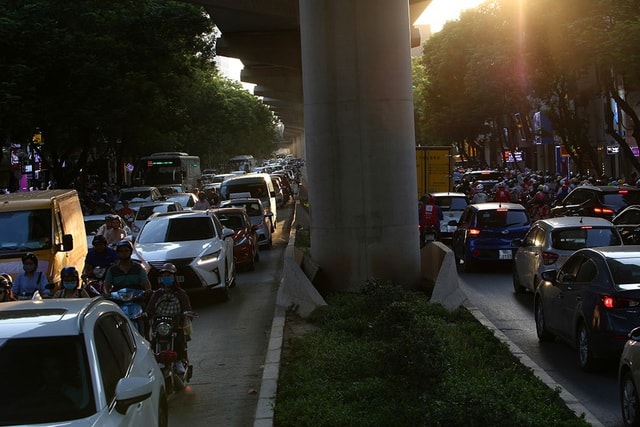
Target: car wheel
x=541, y=324
x=586, y=359
x=163, y=411
x=517, y=287
x=629, y=402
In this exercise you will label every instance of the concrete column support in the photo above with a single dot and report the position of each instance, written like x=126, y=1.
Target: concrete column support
x=360, y=146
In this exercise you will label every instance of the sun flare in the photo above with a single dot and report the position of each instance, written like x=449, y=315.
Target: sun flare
x=441, y=11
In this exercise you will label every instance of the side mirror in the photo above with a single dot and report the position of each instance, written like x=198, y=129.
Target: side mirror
x=67, y=243
x=549, y=275
x=635, y=334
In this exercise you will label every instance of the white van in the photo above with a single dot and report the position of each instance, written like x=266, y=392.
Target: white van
x=259, y=185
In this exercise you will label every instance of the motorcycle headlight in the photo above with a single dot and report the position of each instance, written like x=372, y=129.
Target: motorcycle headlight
x=163, y=329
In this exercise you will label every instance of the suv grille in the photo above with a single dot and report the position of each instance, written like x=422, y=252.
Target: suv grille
x=191, y=279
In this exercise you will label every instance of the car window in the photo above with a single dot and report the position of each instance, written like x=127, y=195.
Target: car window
x=136, y=195
x=625, y=272
x=586, y=272
x=584, y=237
x=534, y=237
x=502, y=218
x=115, y=351
x=630, y=217
x=185, y=229
x=145, y=212
x=621, y=199
x=51, y=374
x=451, y=203
x=233, y=221
x=577, y=197
x=569, y=269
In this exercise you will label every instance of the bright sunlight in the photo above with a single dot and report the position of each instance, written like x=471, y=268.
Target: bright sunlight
x=441, y=11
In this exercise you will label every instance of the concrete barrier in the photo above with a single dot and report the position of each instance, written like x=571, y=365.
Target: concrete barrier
x=438, y=267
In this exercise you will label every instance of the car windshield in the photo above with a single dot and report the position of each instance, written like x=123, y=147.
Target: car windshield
x=253, y=209
x=622, y=199
x=25, y=230
x=572, y=239
x=177, y=230
x=135, y=196
x=183, y=199
x=452, y=203
x=92, y=225
x=50, y=375
x=501, y=218
x=145, y=211
x=625, y=272
x=233, y=221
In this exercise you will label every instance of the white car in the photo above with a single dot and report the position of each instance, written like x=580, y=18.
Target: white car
x=146, y=210
x=452, y=205
x=196, y=243
x=549, y=242
x=77, y=362
x=91, y=225
x=187, y=200
x=258, y=215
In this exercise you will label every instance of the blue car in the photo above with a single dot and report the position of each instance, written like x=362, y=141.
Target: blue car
x=485, y=231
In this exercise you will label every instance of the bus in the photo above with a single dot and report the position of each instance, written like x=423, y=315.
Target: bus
x=244, y=162
x=170, y=167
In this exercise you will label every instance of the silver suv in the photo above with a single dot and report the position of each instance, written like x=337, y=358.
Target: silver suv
x=549, y=242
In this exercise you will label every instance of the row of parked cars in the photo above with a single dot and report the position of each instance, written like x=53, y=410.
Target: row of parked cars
x=582, y=264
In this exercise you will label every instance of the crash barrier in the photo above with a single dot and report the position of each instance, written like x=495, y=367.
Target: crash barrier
x=296, y=291
x=438, y=269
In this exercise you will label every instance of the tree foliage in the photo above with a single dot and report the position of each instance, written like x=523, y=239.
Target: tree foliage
x=511, y=57
x=125, y=77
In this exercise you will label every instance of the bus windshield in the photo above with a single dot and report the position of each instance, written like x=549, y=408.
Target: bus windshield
x=170, y=168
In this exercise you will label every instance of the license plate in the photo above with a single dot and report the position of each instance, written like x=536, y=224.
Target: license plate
x=505, y=254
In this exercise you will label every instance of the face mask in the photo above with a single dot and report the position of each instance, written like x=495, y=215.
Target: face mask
x=69, y=285
x=167, y=281
x=29, y=268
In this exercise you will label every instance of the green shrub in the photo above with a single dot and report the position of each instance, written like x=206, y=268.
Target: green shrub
x=389, y=357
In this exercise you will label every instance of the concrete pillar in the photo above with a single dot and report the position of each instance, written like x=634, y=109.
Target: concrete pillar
x=360, y=148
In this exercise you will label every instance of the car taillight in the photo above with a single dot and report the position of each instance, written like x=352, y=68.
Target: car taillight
x=473, y=232
x=603, y=211
x=618, y=302
x=549, y=258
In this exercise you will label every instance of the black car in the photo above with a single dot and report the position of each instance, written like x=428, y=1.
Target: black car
x=628, y=224
x=592, y=302
x=601, y=201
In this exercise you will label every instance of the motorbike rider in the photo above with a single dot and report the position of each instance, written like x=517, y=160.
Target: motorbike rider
x=125, y=273
x=480, y=196
x=113, y=221
x=100, y=255
x=30, y=280
x=126, y=212
x=5, y=288
x=172, y=300
x=71, y=288
x=502, y=195
x=430, y=216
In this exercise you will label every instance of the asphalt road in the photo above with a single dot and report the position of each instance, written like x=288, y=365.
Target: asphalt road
x=229, y=345
x=492, y=293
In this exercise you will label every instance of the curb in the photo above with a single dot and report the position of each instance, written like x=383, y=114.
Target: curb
x=569, y=399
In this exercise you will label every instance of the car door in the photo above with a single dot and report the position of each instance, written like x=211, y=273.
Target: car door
x=116, y=350
x=554, y=294
x=527, y=258
x=574, y=293
x=459, y=235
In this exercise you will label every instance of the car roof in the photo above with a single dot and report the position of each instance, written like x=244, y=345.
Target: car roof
x=131, y=189
x=232, y=210
x=47, y=317
x=606, y=188
x=497, y=205
x=448, y=194
x=185, y=213
x=618, y=252
x=244, y=201
x=576, y=221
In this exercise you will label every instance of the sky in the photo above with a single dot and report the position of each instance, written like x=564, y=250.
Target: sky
x=441, y=11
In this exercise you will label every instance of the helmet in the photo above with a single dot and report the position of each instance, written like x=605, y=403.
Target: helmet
x=432, y=199
x=479, y=187
x=4, y=283
x=7, y=277
x=110, y=217
x=124, y=244
x=99, y=238
x=69, y=272
x=540, y=196
x=30, y=256
x=167, y=266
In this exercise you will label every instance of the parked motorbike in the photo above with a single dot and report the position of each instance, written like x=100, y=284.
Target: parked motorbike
x=176, y=372
x=130, y=302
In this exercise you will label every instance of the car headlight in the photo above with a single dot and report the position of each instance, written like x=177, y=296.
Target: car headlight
x=209, y=257
x=163, y=329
